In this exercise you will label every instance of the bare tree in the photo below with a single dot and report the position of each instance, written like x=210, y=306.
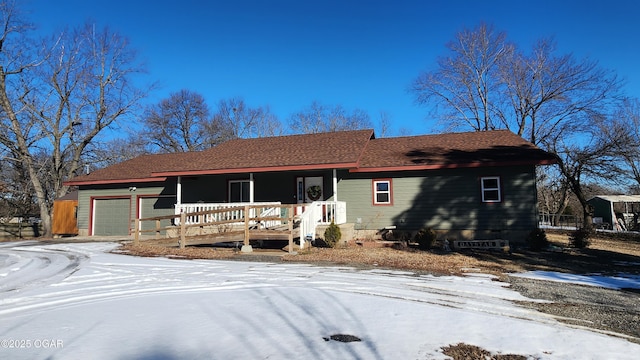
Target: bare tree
x=587, y=153
x=57, y=105
x=16, y=192
x=487, y=83
x=268, y=124
x=235, y=119
x=177, y=123
x=553, y=193
x=466, y=83
x=318, y=118
x=384, y=124
x=545, y=91
x=114, y=151
x=553, y=101
x=627, y=121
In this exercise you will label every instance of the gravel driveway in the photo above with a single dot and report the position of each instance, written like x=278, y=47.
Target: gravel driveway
x=616, y=311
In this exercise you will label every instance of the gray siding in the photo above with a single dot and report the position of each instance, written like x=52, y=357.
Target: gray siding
x=156, y=206
x=86, y=193
x=443, y=199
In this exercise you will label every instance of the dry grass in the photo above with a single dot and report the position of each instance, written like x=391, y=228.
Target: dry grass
x=404, y=259
x=150, y=250
x=463, y=351
x=605, y=255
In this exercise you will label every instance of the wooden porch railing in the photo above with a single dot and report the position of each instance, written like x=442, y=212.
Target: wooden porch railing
x=197, y=212
x=245, y=215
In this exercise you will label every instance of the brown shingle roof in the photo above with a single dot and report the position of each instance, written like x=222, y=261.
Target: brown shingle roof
x=136, y=169
x=309, y=151
x=336, y=149
x=485, y=148
x=356, y=150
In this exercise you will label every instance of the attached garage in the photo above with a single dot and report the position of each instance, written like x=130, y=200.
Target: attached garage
x=151, y=206
x=111, y=217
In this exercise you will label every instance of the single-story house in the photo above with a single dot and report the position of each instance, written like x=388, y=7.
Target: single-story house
x=471, y=185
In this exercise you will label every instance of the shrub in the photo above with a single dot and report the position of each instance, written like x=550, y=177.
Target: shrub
x=426, y=238
x=332, y=235
x=580, y=238
x=537, y=240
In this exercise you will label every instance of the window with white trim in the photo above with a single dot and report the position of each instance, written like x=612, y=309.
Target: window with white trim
x=382, y=192
x=490, y=187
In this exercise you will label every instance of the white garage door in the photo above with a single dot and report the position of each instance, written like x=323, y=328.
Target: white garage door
x=111, y=217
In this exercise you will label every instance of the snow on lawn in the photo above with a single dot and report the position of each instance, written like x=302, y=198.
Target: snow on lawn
x=622, y=281
x=77, y=301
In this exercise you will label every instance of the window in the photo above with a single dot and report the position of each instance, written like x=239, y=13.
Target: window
x=490, y=189
x=238, y=191
x=382, y=192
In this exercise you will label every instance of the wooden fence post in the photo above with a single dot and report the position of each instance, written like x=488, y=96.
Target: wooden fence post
x=290, y=227
x=246, y=247
x=136, y=234
x=246, y=225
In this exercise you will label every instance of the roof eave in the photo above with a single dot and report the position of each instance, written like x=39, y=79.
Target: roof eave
x=113, y=181
x=451, y=166
x=256, y=169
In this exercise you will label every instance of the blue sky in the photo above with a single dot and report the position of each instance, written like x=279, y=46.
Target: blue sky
x=358, y=54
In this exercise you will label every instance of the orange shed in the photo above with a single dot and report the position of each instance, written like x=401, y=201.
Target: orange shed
x=65, y=215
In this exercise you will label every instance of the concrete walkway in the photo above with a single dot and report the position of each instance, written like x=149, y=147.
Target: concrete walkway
x=74, y=239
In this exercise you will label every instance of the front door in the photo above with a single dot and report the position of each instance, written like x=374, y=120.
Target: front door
x=309, y=189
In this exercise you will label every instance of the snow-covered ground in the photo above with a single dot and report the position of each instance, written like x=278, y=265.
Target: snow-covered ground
x=622, y=281
x=78, y=301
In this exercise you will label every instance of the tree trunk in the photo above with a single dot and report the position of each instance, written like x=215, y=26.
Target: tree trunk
x=563, y=206
x=25, y=156
x=587, y=209
x=45, y=217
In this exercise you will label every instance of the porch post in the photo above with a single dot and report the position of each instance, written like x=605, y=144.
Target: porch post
x=179, y=191
x=335, y=185
x=251, y=187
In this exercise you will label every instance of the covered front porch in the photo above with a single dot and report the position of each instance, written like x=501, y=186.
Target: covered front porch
x=314, y=196
x=264, y=216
